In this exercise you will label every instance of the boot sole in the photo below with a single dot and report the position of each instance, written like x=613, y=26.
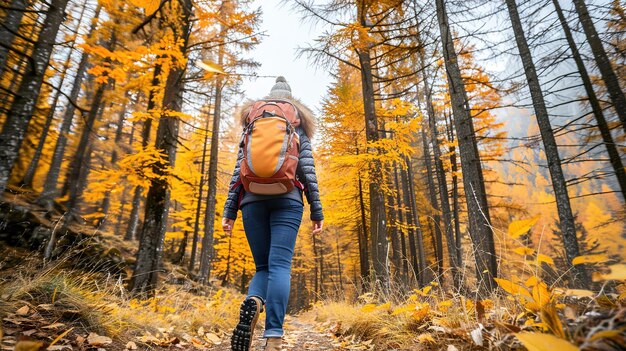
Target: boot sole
x=244, y=331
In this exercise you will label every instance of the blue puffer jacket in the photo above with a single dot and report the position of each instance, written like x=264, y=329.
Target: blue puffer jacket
x=305, y=174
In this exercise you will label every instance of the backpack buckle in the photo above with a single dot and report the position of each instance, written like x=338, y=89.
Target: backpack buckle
x=268, y=113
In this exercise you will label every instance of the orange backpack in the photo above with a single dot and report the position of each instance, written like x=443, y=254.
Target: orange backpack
x=270, y=148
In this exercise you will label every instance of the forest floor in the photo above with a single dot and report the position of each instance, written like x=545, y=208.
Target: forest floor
x=79, y=301
x=300, y=334
x=45, y=312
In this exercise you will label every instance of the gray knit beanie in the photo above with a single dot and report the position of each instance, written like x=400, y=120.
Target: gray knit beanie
x=281, y=89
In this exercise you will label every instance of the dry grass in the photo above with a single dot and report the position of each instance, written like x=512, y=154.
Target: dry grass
x=93, y=302
x=429, y=319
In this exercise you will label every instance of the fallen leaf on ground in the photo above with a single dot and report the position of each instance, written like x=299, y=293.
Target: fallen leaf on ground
x=29, y=332
x=579, y=293
x=213, y=338
x=544, y=342
x=98, y=340
x=28, y=346
x=477, y=335
x=46, y=306
x=426, y=338
x=53, y=326
x=22, y=311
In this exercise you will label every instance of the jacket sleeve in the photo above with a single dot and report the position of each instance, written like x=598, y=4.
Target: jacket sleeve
x=232, y=202
x=306, y=175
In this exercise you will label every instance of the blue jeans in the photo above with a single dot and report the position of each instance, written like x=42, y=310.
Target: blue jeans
x=271, y=227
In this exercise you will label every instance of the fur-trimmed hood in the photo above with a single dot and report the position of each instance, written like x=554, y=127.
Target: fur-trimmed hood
x=307, y=119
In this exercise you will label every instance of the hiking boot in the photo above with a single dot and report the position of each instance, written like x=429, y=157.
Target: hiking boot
x=273, y=344
x=244, y=331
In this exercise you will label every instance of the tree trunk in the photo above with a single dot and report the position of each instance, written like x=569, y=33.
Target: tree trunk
x=133, y=220
x=566, y=218
x=15, y=65
x=21, y=111
x=393, y=228
x=10, y=24
x=378, y=220
x=27, y=180
x=120, y=214
x=603, y=126
x=442, y=183
x=196, y=227
x=320, y=251
x=317, y=269
x=87, y=133
x=364, y=256
x=455, y=198
x=207, y=252
x=50, y=192
x=230, y=249
x=432, y=193
x=475, y=194
x=602, y=61
x=339, y=270
x=401, y=206
x=131, y=230
x=421, y=254
x=406, y=193
x=82, y=182
x=79, y=162
x=438, y=240
x=106, y=202
x=149, y=255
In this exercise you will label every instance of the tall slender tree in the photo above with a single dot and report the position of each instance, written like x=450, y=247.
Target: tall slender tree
x=106, y=202
x=602, y=61
x=207, y=253
x=442, y=184
x=566, y=218
x=27, y=180
x=603, y=126
x=196, y=226
x=50, y=187
x=10, y=25
x=473, y=181
x=79, y=162
x=149, y=255
x=21, y=111
x=378, y=218
x=133, y=221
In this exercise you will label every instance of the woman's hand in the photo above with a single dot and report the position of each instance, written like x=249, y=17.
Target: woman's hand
x=317, y=226
x=227, y=224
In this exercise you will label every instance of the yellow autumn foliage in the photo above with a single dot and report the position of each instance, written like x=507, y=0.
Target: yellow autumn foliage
x=544, y=342
x=521, y=227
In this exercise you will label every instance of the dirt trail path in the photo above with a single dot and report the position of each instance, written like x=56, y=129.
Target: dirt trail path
x=300, y=334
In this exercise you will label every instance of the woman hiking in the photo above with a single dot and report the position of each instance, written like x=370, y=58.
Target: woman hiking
x=274, y=169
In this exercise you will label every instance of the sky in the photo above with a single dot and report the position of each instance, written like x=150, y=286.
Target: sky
x=285, y=31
